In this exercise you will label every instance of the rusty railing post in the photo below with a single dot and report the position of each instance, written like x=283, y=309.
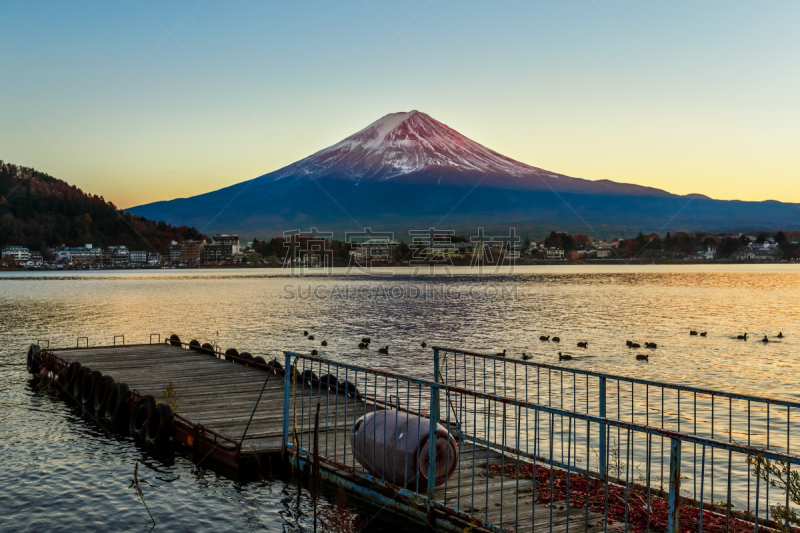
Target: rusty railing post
x=674, y=486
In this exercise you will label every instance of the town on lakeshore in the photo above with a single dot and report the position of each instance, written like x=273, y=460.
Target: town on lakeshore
x=223, y=250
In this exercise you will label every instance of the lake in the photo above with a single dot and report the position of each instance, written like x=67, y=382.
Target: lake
x=59, y=471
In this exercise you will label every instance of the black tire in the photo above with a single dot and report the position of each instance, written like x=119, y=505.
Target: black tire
x=209, y=349
x=101, y=394
x=308, y=377
x=247, y=356
x=260, y=360
x=194, y=345
x=175, y=340
x=329, y=381
x=348, y=388
x=144, y=408
x=73, y=370
x=77, y=383
x=276, y=365
x=118, y=405
x=159, y=425
x=88, y=387
x=34, y=359
x=231, y=352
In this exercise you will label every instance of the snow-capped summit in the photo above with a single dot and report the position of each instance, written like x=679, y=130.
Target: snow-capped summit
x=404, y=143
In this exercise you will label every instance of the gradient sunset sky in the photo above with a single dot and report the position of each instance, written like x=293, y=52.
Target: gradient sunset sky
x=139, y=101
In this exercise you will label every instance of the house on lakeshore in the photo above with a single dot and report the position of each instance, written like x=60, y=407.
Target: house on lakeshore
x=375, y=249
x=554, y=254
x=19, y=254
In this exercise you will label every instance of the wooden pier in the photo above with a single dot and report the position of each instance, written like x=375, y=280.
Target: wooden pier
x=215, y=403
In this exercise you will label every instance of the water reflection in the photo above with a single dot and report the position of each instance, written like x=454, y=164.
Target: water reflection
x=58, y=471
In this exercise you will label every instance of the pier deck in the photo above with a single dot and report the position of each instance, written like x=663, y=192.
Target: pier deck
x=215, y=396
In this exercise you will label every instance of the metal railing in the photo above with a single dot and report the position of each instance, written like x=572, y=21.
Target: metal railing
x=756, y=421
x=523, y=463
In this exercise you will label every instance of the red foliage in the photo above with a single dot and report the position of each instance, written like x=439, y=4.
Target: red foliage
x=638, y=515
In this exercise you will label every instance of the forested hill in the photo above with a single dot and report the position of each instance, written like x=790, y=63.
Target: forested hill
x=39, y=211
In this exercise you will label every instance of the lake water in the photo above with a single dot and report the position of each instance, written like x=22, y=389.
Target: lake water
x=60, y=472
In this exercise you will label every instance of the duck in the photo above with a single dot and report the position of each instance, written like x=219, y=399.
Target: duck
x=311, y=337
x=556, y=339
x=583, y=345
x=651, y=345
x=692, y=332
x=305, y=334
x=765, y=339
x=543, y=338
x=324, y=343
x=365, y=340
x=363, y=345
x=424, y=344
x=780, y=335
x=642, y=357
x=703, y=334
x=742, y=337
x=314, y=352
x=628, y=343
x=564, y=357
x=384, y=351
x=525, y=356
x=635, y=345
x=501, y=354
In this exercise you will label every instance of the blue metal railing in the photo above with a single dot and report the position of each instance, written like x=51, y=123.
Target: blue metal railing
x=758, y=421
x=521, y=462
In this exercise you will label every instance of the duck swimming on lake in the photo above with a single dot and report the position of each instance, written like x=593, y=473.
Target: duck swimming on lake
x=564, y=357
x=780, y=335
x=314, y=352
x=384, y=351
x=703, y=334
x=765, y=339
x=305, y=334
x=642, y=357
x=556, y=339
x=424, y=344
x=311, y=337
x=634, y=345
x=583, y=345
x=650, y=345
x=543, y=338
x=324, y=343
x=742, y=337
x=692, y=332
x=363, y=345
x=501, y=354
x=525, y=356
x=628, y=343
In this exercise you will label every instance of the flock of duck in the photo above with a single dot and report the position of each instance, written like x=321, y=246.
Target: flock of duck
x=629, y=344
x=365, y=343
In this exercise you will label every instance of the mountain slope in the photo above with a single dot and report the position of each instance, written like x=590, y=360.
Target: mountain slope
x=39, y=211
x=407, y=170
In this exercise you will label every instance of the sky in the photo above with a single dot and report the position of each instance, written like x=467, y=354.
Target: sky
x=140, y=101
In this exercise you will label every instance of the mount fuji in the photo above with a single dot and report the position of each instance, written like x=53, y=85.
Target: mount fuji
x=410, y=171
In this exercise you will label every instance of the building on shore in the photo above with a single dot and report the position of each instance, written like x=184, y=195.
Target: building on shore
x=138, y=258
x=19, y=254
x=554, y=254
x=175, y=252
x=191, y=250
x=376, y=249
x=230, y=240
